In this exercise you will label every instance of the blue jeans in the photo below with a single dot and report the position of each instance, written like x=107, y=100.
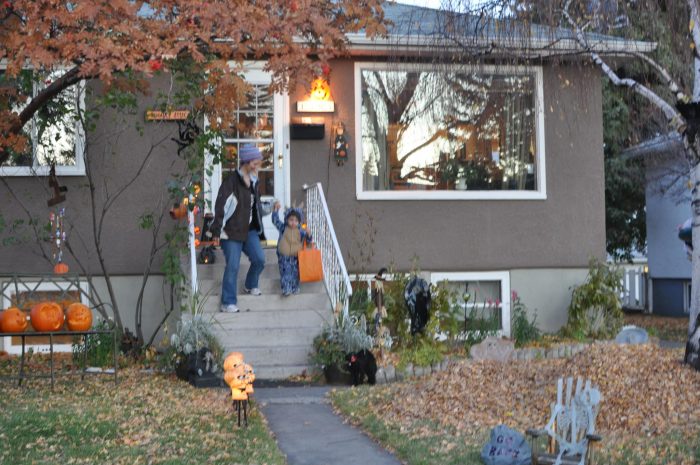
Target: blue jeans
x=232, y=251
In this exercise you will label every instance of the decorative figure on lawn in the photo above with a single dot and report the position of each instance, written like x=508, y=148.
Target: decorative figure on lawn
x=417, y=297
x=382, y=334
x=58, y=238
x=239, y=376
x=361, y=364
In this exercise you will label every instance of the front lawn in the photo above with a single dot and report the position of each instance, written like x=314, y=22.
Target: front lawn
x=145, y=419
x=648, y=414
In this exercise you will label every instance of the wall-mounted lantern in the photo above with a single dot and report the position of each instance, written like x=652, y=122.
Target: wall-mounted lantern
x=319, y=98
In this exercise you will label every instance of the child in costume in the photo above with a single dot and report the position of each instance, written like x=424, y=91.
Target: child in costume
x=290, y=242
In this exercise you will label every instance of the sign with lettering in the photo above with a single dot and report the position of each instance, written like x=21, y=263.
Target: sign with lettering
x=506, y=447
x=173, y=115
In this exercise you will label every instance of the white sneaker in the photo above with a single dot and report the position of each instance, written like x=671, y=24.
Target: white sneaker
x=254, y=291
x=231, y=308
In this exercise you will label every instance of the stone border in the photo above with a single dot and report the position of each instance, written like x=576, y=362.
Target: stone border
x=390, y=373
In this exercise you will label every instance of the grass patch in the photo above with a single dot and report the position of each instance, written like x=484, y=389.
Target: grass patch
x=146, y=419
x=420, y=443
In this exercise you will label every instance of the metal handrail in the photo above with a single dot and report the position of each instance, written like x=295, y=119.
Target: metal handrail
x=319, y=223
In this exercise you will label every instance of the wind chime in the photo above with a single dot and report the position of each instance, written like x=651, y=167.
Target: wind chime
x=58, y=238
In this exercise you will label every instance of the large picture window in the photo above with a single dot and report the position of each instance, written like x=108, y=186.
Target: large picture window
x=55, y=134
x=441, y=133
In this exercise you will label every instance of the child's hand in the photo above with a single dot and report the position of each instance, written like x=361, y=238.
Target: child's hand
x=277, y=205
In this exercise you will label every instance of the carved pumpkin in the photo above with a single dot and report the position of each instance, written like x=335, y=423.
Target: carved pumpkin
x=60, y=268
x=47, y=316
x=236, y=378
x=78, y=317
x=233, y=360
x=249, y=378
x=13, y=320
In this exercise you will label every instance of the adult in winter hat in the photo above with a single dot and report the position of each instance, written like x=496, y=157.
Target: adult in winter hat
x=248, y=153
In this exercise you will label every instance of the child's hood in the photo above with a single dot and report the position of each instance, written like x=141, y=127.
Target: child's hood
x=298, y=211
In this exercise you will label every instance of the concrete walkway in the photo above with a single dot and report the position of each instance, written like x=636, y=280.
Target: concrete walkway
x=309, y=433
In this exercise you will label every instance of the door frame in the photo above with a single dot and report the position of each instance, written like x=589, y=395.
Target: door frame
x=255, y=74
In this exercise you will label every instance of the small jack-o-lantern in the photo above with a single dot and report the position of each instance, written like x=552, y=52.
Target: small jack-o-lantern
x=13, y=320
x=47, y=316
x=235, y=378
x=78, y=317
x=249, y=378
x=60, y=268
x=233, y=360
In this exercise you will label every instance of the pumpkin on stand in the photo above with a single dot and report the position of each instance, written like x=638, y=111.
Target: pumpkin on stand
x=78, y=317
x=47, y=316
x=13, y=320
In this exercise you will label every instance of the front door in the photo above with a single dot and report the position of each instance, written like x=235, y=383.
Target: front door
x=263, y=122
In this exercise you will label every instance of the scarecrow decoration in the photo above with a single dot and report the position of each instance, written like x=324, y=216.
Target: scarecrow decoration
x=239, y=376
x=383, y=337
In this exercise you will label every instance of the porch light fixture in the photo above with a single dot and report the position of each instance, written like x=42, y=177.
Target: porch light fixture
x=319, y=99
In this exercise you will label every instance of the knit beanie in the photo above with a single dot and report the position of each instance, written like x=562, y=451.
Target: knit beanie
x=248, y=153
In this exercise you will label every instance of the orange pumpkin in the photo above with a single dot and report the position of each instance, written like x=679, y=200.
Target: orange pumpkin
x=47, y=316
x=13, y=320
x=233, y=360
x=78, y=317
x=60, y=268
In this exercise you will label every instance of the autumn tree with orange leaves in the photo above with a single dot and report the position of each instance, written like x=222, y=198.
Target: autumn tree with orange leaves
x=92, y=39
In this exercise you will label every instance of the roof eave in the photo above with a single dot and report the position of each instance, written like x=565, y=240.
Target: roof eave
x=359, y=43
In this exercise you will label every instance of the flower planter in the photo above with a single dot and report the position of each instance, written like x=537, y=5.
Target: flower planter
x=335, y=375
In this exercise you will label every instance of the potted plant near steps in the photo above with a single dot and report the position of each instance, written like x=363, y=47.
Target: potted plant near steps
x=333, y=345
x=197, y=354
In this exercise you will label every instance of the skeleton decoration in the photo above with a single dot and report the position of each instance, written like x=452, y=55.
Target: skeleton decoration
x=239, y=376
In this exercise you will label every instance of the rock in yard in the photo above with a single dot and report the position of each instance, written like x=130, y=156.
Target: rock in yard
x=493, y=348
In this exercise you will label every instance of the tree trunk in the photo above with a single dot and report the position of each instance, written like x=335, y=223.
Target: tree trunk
x=695, y=283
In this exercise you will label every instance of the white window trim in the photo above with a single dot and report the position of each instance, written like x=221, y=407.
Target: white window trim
x=45, y=286
x=61, y=170
x=539, y=194
x=502, y=276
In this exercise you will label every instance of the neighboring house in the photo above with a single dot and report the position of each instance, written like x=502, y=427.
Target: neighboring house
x=667, y=208
x=490, y=174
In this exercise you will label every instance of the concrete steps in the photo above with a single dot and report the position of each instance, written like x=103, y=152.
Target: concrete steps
x=274, y=333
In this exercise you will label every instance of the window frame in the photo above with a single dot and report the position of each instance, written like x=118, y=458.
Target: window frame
x=540, y=193
x=61, y=170
x=502, y=276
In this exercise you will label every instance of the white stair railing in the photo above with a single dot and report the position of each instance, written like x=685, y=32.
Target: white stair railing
x=320, y=225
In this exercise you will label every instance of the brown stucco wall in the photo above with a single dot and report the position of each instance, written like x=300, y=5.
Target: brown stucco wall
x=116, y=150
x=563, y=231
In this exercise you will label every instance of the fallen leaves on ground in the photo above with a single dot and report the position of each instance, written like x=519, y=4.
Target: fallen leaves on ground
x=644, y=388
x=665, y=327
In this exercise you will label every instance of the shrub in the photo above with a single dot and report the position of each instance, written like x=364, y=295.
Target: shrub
x=524, y=330
x=596, y=309
x=97, y=349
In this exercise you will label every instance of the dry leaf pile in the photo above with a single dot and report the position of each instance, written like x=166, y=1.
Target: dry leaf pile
x=644, y=388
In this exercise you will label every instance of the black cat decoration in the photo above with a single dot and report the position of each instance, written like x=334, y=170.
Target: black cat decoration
x=360, y=365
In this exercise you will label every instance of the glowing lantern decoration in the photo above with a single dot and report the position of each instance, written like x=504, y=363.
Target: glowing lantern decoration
x=320, y=90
